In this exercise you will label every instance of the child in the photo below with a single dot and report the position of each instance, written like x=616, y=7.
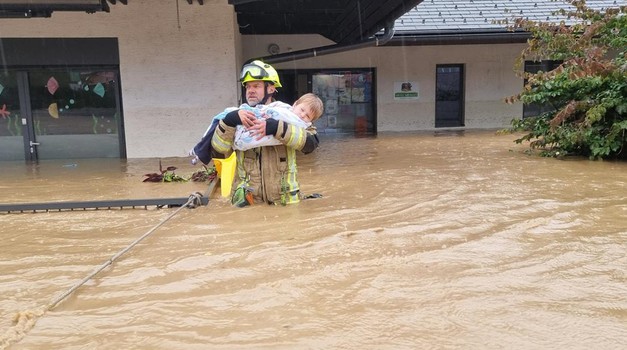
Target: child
x=307, y=109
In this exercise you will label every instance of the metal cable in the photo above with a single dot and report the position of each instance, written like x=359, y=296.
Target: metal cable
x=192, y=202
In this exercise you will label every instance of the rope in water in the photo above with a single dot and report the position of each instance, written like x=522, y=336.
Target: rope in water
x=24, y=321
x=192, y=202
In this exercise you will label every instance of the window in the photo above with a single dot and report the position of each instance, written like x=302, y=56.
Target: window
x=534, y=109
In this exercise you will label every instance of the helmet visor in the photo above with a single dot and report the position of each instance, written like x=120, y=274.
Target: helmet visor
x=254, y=72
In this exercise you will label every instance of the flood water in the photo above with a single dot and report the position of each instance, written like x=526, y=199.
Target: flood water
x=420, y=241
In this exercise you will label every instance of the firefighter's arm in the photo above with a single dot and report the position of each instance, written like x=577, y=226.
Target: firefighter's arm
x=222, y=140
x=304, y=140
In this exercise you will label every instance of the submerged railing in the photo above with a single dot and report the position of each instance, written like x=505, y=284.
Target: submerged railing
x=97, y=205
x=197, y=199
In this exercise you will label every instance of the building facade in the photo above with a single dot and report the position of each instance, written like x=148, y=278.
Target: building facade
x=145, y=79
x=176, y=68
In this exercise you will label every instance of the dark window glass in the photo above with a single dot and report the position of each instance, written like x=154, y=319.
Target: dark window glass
x=534, y=109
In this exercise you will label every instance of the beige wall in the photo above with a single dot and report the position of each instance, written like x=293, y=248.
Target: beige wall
x=176, y=72
x=488, y=71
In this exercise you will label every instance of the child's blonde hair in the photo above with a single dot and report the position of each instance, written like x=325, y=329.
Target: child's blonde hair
x=317, y=107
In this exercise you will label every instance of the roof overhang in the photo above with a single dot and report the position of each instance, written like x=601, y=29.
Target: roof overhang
x=44, y=8
x=342, y=21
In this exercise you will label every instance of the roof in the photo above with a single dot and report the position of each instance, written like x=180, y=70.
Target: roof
x=482, y=15
x=352, y=21
x=343, y=21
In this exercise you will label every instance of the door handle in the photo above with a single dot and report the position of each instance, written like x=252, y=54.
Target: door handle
x=34, y=143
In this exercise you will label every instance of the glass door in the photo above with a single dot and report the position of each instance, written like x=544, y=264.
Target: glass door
x=75, y=113
x=348, y=98
x=449, y=95
x=60, y=113
x=11, y=130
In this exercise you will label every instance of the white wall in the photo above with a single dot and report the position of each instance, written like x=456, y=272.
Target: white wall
x=176, y=72
x=489, y=78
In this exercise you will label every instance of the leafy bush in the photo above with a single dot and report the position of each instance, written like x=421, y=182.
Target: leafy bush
x=588, y=90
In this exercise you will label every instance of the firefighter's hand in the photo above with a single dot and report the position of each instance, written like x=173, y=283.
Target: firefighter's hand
x=258, y=130
x=247, y=117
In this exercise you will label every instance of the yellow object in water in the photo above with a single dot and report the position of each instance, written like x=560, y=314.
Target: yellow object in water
x=226, y=172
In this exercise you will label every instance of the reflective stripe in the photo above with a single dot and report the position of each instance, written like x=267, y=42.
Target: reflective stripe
x=293, y=188
x=222, y=140
x=220, y=145
x=296, y=137
x=291, y=131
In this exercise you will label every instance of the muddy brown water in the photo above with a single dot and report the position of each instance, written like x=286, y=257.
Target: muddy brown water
x=445, y=241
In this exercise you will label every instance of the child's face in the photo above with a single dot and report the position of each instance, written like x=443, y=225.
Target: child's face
x=304, y=112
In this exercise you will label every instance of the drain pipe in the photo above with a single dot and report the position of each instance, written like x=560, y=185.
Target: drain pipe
x=330, y=49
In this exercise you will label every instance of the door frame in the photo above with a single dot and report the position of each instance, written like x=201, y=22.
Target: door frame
x=28, y=131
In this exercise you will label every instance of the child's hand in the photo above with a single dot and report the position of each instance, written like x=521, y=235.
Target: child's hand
x=247, y=117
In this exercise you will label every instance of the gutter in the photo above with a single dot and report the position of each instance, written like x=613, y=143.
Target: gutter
x=330, y=49
x=388, y=39
x=457, y=38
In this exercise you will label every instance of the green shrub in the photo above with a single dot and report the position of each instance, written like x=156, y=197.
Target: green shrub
x=588, y=90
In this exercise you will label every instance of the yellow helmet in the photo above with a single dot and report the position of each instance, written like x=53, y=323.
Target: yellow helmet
x=257, y=70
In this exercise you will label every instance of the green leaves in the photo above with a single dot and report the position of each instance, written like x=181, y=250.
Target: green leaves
x=168, y=175
x=588, y=90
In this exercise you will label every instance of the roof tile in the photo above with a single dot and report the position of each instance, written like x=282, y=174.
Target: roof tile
x=470, y=15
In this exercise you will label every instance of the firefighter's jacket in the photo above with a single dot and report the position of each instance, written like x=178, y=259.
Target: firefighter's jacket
x=269, y=172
